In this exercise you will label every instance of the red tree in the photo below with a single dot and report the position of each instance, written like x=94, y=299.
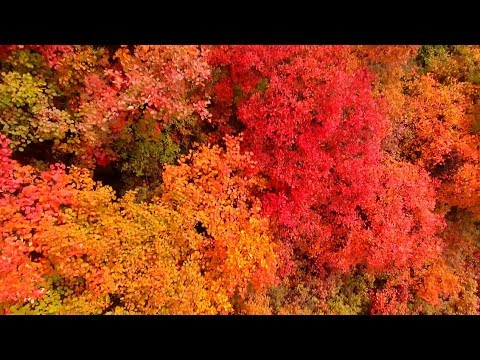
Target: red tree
x=30, y=203
x=316, y=132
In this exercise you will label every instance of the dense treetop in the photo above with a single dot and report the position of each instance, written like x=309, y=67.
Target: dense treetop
x=239, y=179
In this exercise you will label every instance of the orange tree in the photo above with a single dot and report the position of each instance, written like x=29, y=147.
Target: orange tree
x=200, y=247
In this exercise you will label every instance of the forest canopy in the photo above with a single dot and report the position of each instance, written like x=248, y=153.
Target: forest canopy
x=228, y=179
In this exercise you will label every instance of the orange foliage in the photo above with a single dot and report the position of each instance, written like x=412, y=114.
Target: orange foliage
x=212, y=188
x=391, y=64
x=200, y=248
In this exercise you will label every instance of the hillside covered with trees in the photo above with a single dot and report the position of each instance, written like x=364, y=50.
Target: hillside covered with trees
x=233, y=179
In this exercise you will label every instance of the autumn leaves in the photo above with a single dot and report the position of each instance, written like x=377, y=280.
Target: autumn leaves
x=192, y=250
x=255, y=179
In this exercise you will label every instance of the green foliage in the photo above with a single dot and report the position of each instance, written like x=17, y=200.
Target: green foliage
x=146, y=158
x=26, y=61
x=262, y=86
x=352, y=296
x=458, y=62
x=143, y=148
x=277, y=296
x=299, y=296
x=27, y=111
x=141, y=157
x=428, y=54
x=238, y=94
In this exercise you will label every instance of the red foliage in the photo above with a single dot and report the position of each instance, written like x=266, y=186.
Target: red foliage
x=29, y=204
x=316, y=132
